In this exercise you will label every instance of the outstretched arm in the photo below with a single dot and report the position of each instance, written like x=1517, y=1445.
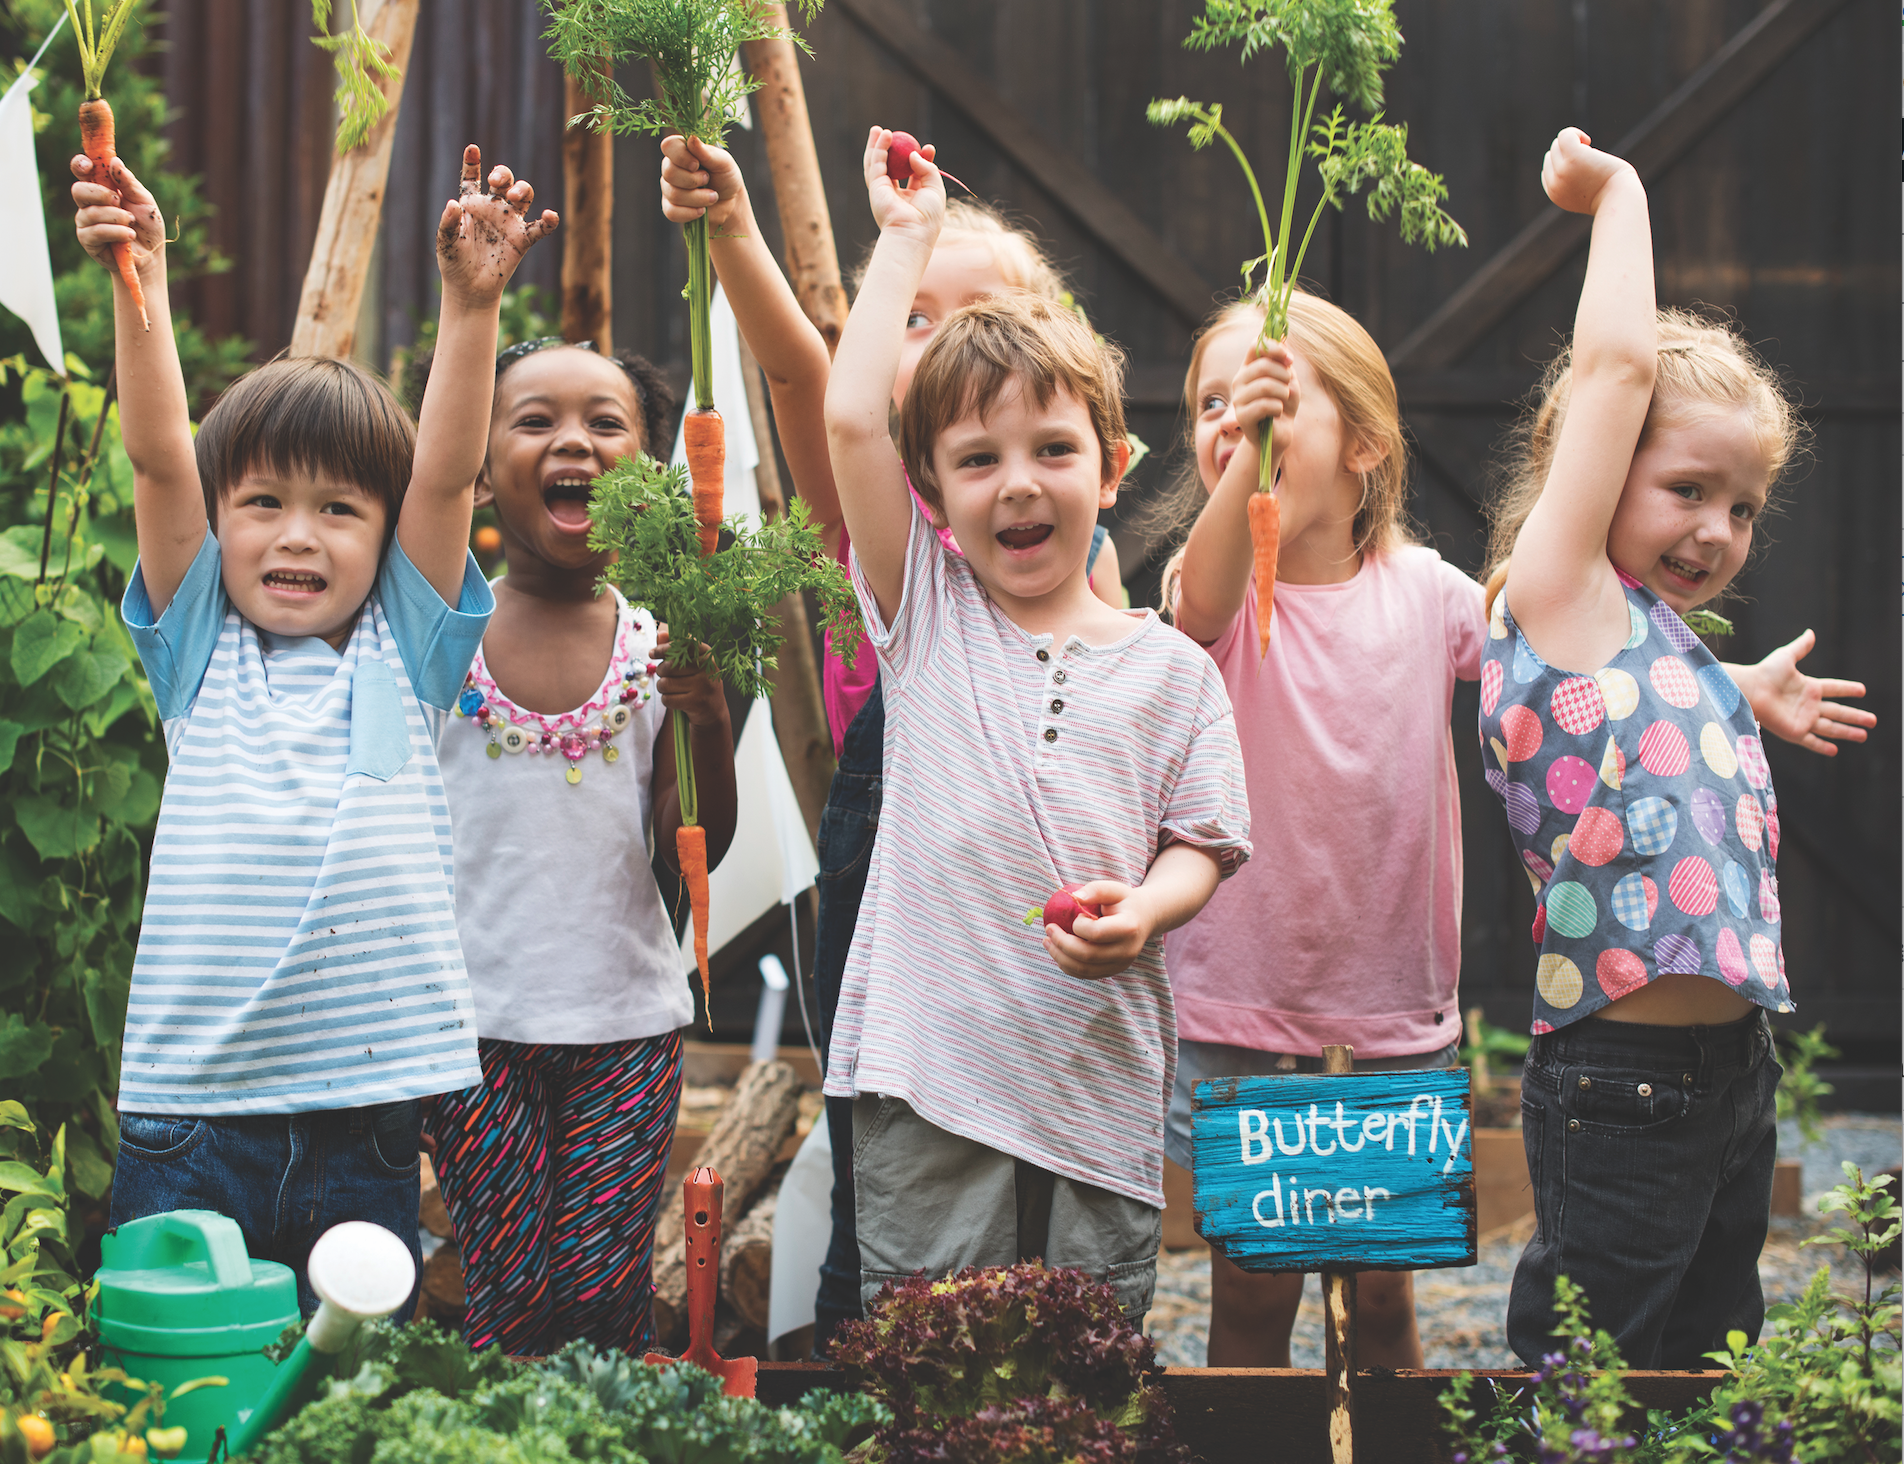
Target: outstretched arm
x=697, y=178
x=480, y=240
x=168, y=504
x=1564, y=592
x=866, y=467
x=1217, y=561
x=1792, y=706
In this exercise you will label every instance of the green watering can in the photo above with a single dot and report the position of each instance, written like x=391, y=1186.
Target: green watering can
x=180, y=1299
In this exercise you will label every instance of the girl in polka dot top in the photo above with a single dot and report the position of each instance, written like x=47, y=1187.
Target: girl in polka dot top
x=1636, y=788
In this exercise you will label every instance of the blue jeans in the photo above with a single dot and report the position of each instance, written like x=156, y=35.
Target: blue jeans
x=285, y=1178
x=1651, y=1152
x=847, y=827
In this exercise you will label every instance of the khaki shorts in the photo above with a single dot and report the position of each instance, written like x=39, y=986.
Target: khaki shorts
x=928, y=1200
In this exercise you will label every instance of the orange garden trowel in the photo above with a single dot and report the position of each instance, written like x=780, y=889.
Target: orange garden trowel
x=701, y=1198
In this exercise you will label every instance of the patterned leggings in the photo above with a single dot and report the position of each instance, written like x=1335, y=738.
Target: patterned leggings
x=552, y=1171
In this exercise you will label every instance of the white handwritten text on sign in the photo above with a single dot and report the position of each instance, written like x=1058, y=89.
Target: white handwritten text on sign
x=1372, y=1171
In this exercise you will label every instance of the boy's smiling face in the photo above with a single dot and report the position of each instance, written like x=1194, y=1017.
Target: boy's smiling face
x=300, y=552
x=1021, y=487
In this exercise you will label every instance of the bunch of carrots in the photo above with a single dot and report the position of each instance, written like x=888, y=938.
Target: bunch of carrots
x=96, y=133
x=1349, y=47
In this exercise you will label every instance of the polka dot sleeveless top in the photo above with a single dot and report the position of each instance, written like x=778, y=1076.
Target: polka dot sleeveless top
x=1642, y=808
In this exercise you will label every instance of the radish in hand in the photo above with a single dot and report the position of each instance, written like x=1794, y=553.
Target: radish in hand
x=1062, y=910
x=899, y=159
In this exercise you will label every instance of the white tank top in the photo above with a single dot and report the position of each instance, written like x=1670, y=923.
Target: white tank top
x=563, y=929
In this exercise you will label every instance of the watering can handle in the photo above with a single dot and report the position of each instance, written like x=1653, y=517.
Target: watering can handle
x=219, y=1237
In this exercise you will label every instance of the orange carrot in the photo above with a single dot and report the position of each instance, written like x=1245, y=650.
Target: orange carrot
x=96, y=138
x=1266, y=534
x=690, y=852
x=705, y=441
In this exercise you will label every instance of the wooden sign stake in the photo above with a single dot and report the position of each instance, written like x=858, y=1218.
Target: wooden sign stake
x=1338, y=1317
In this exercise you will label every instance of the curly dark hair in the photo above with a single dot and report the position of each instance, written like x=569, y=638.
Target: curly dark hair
x=651, y=387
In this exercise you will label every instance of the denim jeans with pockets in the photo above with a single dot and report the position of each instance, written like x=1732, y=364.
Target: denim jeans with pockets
x=847, y=827
x=285, y=1178
x=1651, y=1152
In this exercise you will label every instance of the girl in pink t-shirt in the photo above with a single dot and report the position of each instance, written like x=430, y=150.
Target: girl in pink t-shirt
x=1349, y=930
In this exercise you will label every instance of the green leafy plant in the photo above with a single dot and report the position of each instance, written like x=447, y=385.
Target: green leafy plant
x=1024, y=1364
x=361, y=104
x=1801, y=1087
x=1347, y=45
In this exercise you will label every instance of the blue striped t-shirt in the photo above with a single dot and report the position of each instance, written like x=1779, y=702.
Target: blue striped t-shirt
x=298, y=948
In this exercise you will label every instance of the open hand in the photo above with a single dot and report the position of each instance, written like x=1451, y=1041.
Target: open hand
x=696, y=693
x=1792, y=706
x=116, y=210
x=485, y=231
x=1103, y=947
x=698, y=178
x=1265, y=388
x=920, y=208
x=1575, y=174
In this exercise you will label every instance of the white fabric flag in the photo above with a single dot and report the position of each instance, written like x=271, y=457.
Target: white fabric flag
x=26, y=284
x=771, y=859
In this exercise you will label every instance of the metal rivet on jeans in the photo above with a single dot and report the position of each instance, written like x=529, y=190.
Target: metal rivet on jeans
x=1586, y=1083
x=1645, y=1090
x=1573, y=1125
x=1686, y=1078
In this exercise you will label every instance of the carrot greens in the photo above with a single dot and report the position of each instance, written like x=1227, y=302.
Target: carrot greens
x=356, y=53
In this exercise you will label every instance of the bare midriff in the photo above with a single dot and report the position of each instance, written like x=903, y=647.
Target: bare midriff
x=1676, y=999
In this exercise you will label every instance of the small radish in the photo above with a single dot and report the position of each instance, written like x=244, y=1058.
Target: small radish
x=899, y=159
x=1063, y=909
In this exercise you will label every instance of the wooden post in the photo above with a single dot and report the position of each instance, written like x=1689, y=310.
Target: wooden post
x=588, y=215
x=1338, y=1319
x=813, y=264
x=799, y=714
x=353, y=206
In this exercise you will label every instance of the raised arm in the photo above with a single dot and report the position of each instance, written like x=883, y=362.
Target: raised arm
x=1560, y=584
x=480, y=240
x=1217, y=561
x=168, y=503
x=697, y=179
x=866, y=467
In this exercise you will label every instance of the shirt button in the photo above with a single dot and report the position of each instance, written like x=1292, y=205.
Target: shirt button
x=1044, y=655
x=1056, y=706
x=1058, y=676
x=1051, y=734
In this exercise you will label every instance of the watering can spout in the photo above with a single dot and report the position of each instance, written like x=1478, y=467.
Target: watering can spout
x=360, y=1272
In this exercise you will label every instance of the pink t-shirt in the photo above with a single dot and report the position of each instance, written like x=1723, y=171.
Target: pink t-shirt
x=1346, y=927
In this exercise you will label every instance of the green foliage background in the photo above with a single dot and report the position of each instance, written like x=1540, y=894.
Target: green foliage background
x=81, y=757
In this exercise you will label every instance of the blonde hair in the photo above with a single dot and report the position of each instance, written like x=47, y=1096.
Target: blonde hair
x=1701, y=363
x=1021, y=259
x=1354, y=372
x=984, y=347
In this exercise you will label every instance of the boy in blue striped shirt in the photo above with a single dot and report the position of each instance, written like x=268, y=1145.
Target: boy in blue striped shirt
x=304, y=594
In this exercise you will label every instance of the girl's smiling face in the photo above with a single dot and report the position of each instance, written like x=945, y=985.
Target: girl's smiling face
x=1215, y=433
x=1684, y=523
x=563, y=417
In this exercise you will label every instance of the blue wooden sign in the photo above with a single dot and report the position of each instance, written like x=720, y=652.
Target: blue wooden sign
x=1363, y=1171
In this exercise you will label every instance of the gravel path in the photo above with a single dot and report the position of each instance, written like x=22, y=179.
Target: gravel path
x=1462, y=1312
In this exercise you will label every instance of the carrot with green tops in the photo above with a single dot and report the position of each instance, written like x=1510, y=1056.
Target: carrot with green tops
x=96, y=133
x=704, y=439
x=1266, y=538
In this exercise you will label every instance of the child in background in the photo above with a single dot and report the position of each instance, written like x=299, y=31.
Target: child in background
x=558, y=767
x=1344, y=723
x=304, y=592
x=978, y=256
x=1004, y=1109
x=1637, y=789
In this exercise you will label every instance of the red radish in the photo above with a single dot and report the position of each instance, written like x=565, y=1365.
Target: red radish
x=1063, y=909
x=899, y=161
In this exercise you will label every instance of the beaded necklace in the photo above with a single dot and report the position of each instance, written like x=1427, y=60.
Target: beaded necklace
x=572, y=735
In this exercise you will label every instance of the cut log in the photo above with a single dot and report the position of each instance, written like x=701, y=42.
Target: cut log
x=588, y=211
x=353, y=207
x=742, y=1147
x=747, y=1260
